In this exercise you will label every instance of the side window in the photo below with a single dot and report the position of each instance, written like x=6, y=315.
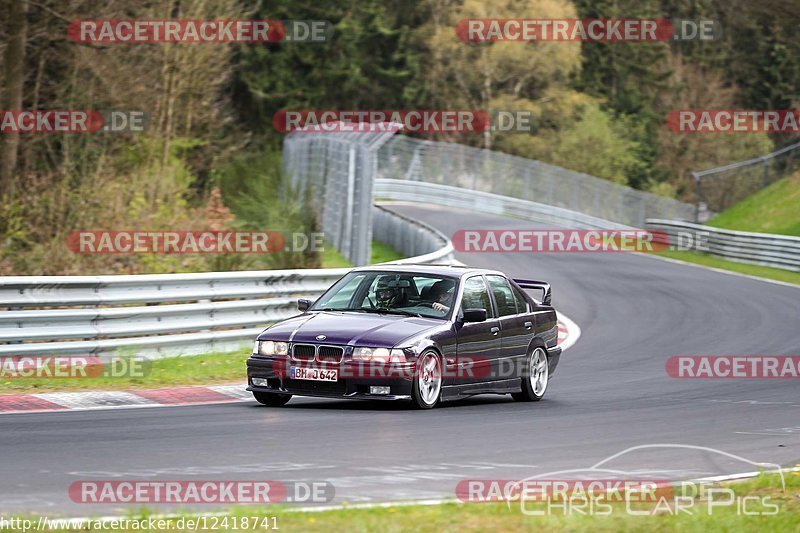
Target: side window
x=341, y=297
x=506, y=302
x=476, y=295
x=522, y=304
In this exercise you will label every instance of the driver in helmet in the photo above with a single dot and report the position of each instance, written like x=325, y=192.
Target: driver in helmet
x=389, y=293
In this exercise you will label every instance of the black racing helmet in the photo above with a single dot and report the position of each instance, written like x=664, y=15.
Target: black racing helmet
x=389, y=292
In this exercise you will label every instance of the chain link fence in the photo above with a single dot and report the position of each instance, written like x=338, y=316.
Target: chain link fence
x=336, y=173
x=719, y=188
x=406, y=158
x=333, y=173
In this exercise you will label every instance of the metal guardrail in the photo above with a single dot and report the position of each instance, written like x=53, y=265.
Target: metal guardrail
x=777, y=251
x=410, y=237
x=157, y=315
x=336, y=171
x=422, y=161
x=445, y=195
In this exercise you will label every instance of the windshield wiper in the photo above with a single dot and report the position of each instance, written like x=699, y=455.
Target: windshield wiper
x=388, y=311
x=379, y=310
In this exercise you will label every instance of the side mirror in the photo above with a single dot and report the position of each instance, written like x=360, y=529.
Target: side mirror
x=474, y=315
x=303, y=304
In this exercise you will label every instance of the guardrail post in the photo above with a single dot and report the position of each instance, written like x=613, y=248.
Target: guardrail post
x=528, y=194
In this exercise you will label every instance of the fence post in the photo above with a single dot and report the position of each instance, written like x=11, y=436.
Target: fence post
x=698, y=197
x=765, y=176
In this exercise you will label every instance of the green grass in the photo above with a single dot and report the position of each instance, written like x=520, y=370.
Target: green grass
x=331, y=258
x=499, y=517
x=700, y=258
x=381, y=253
x=774, y=209
x=213, y=368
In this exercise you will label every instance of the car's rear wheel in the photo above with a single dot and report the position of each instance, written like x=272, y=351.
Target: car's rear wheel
x=535, y=377
x=271, y=399
x=427, y=387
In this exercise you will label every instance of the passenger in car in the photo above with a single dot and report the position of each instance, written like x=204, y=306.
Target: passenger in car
x=442, y=295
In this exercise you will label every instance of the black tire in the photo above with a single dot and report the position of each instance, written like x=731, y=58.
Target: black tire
x=421, y=397
x=529, y=392
x=271, y=399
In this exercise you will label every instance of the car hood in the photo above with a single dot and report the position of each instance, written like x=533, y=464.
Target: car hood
x=353, y=328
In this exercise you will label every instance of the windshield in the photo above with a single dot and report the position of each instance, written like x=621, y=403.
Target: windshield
x=402, y=293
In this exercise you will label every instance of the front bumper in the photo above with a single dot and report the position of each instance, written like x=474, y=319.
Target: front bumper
x=354, y=385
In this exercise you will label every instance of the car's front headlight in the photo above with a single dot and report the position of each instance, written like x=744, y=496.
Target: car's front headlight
x=378, y=355
x=271, y=348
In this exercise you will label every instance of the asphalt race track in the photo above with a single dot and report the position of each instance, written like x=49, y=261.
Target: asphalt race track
x=611, y=392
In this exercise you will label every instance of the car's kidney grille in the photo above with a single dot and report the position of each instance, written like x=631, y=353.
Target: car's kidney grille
x=304, y=352
x=330, y=354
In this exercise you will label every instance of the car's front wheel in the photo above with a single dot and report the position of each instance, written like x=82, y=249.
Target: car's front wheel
x=427, y=387
x=535, y=377
x=271, y=399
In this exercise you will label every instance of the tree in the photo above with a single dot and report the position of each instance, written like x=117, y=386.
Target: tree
x=13, y=84
x=479, y=75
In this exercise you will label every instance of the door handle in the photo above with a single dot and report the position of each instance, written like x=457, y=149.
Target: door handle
x=528, y=325
x=495, y=330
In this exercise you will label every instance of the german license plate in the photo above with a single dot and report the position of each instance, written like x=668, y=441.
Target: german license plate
x=313, y=374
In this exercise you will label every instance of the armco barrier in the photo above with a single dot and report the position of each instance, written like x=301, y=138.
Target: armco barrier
x=170, y=314
x=412, y=238
x=485, y=202
x=778, y=251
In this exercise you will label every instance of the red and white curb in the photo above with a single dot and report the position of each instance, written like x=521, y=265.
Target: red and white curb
x=95, y=400
x=568, y=334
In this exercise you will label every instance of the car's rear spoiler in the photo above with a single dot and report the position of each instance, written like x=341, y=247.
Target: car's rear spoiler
x=547, y=294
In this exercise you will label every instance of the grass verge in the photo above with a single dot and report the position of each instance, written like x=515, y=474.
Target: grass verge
x=764, y=494
x=770, y=210
x=380, y=253
x=700, y=258
x=215, y=368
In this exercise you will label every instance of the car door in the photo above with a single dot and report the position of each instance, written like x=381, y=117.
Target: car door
x=516, y=325
x=478, y=343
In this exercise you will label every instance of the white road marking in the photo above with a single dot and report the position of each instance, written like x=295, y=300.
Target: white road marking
x=95, y=399
x=234, y=391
